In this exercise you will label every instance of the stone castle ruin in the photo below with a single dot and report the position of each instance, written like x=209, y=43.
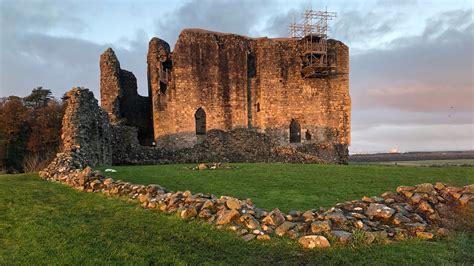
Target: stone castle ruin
x=226, y=97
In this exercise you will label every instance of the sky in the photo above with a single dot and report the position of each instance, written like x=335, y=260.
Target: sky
x=411, y=61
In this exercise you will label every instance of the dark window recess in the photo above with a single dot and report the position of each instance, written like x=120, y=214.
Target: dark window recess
x=200, y=117
x=258, y=107
x=295, y=132
x=163, y=87
x=251, y=66
x=308, y=135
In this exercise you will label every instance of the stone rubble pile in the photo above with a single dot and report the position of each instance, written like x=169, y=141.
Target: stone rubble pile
x=411, y=211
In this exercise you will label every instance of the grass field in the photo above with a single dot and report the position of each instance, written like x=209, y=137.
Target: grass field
x=48, y=223
x=293, y=186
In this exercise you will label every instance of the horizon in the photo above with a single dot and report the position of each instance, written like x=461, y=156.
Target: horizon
x=411, y=78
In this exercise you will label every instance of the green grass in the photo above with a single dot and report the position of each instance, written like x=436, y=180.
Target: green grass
x=293, y=186
x=49, y=223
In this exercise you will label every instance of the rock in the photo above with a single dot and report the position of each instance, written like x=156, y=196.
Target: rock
x=226, y=217
x=152, y=205
x=314, y=241
x=257, y=232
x=407, y=194
x=249, y=221
x=188, y=213
x=263, y=237
x=320, y=226
x=335, y=216
x=399, y=218
x=358, y=215
x=465, y=199
x=425, y=188
x=367, y=199
x=142, y=198
x=415, y=227
x=308, y=216
x=426, y=207
x=342, y=236
x=108, y=181
x=424, y=235
x=284, y=227
x=469, y=189
x=96, y=184
x=248, y=237
x=416, y=198
x=439, y=186
x=202, y=166
x=405, y=188
x=294, y=213
x=359, y=224
x=207, y=204
x=274, y=218
x=379, y=210
x=233, y=203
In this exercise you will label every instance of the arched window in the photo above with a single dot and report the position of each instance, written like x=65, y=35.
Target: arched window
x=258, y=107
x=200, y=118
x=295, y=132
x=308, y=135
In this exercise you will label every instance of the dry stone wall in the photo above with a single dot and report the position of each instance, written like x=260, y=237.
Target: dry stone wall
x=421, y=211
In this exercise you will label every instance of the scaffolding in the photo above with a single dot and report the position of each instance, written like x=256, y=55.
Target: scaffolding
x=313, y=33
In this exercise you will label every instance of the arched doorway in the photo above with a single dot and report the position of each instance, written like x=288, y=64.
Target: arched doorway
x=295, y=132
x=200, y=119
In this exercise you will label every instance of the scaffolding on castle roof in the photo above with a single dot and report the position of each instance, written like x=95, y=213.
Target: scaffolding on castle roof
x=314, y=33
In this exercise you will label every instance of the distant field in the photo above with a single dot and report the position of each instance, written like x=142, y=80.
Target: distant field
x=293, y=186
x=458, y=162
x=412, y=156
x=46, y=223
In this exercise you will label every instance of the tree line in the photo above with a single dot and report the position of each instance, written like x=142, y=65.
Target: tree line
x=30, y=131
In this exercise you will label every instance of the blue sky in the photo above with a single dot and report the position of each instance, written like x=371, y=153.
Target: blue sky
x=411, y=60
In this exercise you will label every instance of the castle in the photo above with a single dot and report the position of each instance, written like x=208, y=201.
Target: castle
x=249, y=93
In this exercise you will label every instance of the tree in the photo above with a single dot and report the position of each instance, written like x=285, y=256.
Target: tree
x=14, y=131
x=30, y=128
x=38, y=98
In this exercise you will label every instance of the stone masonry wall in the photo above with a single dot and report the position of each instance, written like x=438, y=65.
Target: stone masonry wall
x=235, y=83
x=119, y=97
x=242, y=82
x=86, y=129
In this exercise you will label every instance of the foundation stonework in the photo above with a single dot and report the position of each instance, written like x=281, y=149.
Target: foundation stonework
x=216, y=82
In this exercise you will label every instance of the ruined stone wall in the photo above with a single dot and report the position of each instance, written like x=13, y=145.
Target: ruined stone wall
x=120, y=98
x=225, y=82
x=320, y=105
x=242, y=82
x=86, y=130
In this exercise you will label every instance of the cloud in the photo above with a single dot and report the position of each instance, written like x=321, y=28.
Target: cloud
x=429, y=72
x=233, y=16
x=437, y=137
x=40, y=15
x=32, y=57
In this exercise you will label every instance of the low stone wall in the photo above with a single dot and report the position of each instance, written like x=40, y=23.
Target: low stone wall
x=418, y=211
